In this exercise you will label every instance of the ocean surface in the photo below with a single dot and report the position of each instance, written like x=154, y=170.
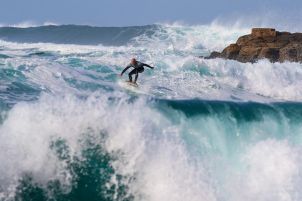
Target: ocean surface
x=195, y=129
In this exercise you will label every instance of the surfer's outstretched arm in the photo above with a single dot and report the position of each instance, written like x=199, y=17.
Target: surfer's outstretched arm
x=125, y=69
x=148, y=66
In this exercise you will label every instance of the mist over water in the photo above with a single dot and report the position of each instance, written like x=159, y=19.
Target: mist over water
x=195, y=129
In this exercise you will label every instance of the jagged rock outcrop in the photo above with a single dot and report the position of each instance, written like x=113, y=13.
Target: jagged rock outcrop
x=264, y=43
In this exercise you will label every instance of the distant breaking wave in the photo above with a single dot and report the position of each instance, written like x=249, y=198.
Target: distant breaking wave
x=75, y=34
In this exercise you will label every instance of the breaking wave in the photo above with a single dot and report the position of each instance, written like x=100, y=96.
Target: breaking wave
x=195, y=129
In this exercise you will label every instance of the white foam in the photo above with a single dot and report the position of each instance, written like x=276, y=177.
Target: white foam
x=272, y=173
x=28, y=24
x=153, y=152
x=149, y=152
x=279, y=81
x=178, y=73
x=192, y=38
x=153, y=149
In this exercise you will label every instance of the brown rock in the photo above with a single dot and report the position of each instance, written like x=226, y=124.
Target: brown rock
x=256, y=42
x=291, y=53
x=248, y=54
x=231, y=51
x=243, y=40
x=264, y=43
x=213, y=55
x=270, y=53
x=263, y=32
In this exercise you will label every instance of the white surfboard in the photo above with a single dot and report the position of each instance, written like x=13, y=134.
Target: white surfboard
x=130, y=86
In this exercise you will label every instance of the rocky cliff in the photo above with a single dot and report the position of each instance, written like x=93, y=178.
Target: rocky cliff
x=264, y=43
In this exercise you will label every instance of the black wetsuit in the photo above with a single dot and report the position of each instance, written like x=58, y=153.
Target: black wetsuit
x=138, y=68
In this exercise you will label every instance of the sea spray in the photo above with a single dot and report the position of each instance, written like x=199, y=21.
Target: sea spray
x=200, y=129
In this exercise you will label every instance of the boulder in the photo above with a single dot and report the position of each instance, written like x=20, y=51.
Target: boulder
x=264, y=43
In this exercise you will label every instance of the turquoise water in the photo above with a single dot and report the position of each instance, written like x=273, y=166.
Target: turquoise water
x=195, y=129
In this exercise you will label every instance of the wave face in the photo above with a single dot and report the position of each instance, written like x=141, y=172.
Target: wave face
x=195, y=129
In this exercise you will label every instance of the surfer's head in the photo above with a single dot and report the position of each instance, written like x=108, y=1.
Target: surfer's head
x=133, y=61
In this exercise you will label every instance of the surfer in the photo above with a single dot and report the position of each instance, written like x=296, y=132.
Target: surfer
x=138, y=68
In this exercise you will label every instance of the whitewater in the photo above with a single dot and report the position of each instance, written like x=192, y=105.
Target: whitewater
x=197, y=129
